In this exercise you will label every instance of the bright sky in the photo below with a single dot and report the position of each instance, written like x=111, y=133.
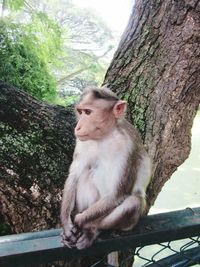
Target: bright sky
x=114, y=12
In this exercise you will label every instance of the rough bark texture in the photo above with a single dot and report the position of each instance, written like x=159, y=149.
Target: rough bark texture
x=157, y=69
x=36, y=147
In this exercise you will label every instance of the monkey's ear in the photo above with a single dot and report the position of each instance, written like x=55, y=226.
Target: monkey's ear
x=119, y=109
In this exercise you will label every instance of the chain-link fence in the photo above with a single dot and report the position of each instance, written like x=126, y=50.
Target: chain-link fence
x=183, y=253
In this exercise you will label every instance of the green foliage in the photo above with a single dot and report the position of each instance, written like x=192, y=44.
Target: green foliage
x=50, y=55
x=45, y=37
x=66, y=101
x=24, y=58
x=14, y=4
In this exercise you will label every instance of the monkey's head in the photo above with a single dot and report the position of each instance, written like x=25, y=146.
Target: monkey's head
x=98, y=112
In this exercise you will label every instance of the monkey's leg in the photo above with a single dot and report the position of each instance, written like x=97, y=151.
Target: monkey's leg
x=96, y=211
x=125, y=216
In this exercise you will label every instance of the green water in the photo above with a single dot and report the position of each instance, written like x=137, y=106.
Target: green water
x=183, y=188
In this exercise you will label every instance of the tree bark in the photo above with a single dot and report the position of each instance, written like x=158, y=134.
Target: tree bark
x=36, y=147
x=156, y=68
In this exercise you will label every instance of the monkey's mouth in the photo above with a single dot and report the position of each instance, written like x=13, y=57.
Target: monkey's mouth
x=82, y=137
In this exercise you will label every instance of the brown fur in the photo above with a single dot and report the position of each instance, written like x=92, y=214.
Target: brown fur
x=100, y=114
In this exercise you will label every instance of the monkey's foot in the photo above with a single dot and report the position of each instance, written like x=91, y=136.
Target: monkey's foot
x=86, y=239
x=70, y=238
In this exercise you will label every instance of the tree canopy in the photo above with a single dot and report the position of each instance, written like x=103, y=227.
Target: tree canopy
x=23, y=65
x=52, y=47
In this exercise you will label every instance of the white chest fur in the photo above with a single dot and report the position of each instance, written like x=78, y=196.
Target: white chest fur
x=98, y=166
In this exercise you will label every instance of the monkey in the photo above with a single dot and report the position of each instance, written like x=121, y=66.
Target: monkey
x=109, y=174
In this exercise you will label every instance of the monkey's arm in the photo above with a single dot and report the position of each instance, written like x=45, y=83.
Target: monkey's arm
x=104, y=206
x=68, y=200
x=70, y=233
x=99, y=209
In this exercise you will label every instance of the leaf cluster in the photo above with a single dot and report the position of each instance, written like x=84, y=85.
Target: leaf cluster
x=50, y=56
x=28, y=50
x=14, y=4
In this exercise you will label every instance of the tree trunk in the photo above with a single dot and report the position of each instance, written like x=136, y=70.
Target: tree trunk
x=156, y=68
x=3, y=6
x=36, y=147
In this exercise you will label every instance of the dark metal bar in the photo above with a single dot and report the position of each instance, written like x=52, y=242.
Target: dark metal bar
x=45, y=246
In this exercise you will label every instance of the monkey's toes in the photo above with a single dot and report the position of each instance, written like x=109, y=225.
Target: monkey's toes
x=76, y=231
x=68, y=241
x=84, y=241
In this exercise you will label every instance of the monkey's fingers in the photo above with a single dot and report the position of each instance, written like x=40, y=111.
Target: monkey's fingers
x=76, y=231
x=68, y=240
x=68, y=244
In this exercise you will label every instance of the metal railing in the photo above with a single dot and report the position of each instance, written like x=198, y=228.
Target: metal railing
x=167, y=239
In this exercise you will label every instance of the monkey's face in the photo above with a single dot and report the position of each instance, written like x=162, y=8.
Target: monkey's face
x=97, y=117
x=94, y=121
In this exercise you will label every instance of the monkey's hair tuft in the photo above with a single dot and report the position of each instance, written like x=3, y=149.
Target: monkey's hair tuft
x=102, y=93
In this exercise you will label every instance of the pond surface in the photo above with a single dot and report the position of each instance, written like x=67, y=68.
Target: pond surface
x=183, y=188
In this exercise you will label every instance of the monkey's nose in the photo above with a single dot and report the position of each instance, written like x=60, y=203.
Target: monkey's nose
x=78, y=126
x=77, y=130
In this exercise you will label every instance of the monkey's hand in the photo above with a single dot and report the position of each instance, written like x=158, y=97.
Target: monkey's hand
x=87, y=238
x=79, y=220
x=70, y=236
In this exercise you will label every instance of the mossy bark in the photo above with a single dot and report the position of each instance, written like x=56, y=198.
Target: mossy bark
x=36, y=147
x=156, y=68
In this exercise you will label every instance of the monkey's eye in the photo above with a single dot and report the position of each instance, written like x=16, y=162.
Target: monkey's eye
x=79, y=111
x=88, y=111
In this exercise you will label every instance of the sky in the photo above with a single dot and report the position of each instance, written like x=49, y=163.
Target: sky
x=114, y=12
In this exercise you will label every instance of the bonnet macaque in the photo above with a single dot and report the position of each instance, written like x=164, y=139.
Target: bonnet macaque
x=107, y=180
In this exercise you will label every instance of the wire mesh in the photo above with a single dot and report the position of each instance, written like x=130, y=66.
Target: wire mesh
x=170, y=254
x=181, y=253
